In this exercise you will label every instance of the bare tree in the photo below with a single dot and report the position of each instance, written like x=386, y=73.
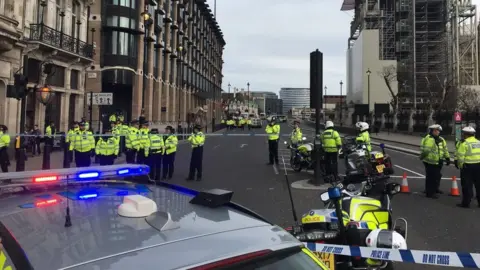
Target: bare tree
x=467, y=99
x=389, y=75
x=438, y=99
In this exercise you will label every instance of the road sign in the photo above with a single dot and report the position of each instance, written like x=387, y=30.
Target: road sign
x=458, y=117
x=100, y=98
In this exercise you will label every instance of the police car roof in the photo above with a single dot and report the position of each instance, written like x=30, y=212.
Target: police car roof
x=101, y=239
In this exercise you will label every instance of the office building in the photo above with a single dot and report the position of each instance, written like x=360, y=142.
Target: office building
x=294, y=98
x=181, y=68
x=268, y=102
x=49, y=37
x=426, y=46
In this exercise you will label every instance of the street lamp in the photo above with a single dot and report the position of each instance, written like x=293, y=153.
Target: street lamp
x=181, y=53
x=44, y=95
x=248, y=97
x=368, y=91
x=228, y=100
x=341, y=103
x=147, y=19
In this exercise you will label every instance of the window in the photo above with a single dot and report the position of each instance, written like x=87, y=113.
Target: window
x=164, y=66
x=123, y=3
x=75, y=17
x=58, y=18
x=74, y=79
x=37, y=16
x=57, y=78
x=122, y=22
x=121, y=43
x=171, y=79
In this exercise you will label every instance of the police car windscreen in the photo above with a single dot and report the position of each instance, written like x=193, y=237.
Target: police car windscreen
x=12, y=255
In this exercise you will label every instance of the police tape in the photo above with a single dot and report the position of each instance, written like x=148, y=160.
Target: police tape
x=225, y=134
x=439, y=258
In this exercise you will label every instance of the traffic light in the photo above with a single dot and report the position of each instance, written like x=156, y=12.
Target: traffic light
x=20, y=84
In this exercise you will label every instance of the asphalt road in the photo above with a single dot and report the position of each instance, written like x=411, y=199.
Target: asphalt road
x=239, y=164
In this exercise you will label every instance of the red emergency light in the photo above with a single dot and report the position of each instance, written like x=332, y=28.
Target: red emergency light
x=46, y=202
x=43, y=179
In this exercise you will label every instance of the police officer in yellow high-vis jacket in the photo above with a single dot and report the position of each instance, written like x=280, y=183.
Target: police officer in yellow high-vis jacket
x=430, y=154
x=4, y=144
x=197, y=140
x=468, y=160
x=107, y=148
x=83, y=143
x=68, y=158
x=155, y=153
x=144, y=143
x=296, y=136
x=273, y=131
x=171, y=142
x=132, y=142
x=331, y=143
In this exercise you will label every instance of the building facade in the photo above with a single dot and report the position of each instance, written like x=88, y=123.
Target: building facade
x=295, y=98
x=47, y=42
x=161, y=57
x=268, y=102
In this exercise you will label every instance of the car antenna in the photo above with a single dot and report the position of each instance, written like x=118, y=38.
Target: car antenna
x=68, y=218
x=294, y=212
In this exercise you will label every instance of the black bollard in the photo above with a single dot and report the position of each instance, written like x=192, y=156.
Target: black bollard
x=47, y=148
x=66, y=156
x=20, y=155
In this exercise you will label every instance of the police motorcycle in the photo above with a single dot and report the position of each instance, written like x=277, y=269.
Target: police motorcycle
x=371, y=227
x=360, y=164
x=301, y=155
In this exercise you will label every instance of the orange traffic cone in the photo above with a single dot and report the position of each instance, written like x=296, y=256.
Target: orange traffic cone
x=404, y=188
x=454, y=190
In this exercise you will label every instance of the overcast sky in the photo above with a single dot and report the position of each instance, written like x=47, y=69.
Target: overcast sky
x=269, y=42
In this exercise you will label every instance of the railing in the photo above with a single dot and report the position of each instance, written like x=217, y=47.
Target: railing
x=42, y=33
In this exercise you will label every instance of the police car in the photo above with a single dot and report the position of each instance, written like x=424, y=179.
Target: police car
x=89, y=218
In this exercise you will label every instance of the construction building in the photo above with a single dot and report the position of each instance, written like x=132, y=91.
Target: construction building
x=434, y=45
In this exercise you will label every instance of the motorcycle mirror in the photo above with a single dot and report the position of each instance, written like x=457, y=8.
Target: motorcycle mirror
x=325, y=197
x=351, y=187
x=304, y=138
x=382, y=146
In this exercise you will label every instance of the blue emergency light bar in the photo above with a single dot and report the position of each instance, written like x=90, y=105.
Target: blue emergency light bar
x=74, y=174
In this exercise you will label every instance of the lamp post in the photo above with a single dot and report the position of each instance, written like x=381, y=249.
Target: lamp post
x=181, y=53
x=44, y=96
x=368, y=91
x=214, y=89
x=91, y=93
x=146, y=22
x=228, y=100
x=248, y=97
x=341, y=103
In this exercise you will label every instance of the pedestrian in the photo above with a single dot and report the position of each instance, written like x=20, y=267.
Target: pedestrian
x=4, y=144
x=154, y=154
x=144, y=143
x=273, y=131
x=37, y=139
x=107, y=148
x=468, y=161
x=430, y=151
x=132, y=142
x=197, y=140
x=171, y=142
x=48, y=145
x=331, y=143
x=83, y=145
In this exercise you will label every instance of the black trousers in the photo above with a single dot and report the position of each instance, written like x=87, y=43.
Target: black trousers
x=469, y=178
x=36, y=147
x=130, y=156
x=83, y=159
x=4, y=159
x=432, y=174
x=196, y=163
x=273, y=151
x=141, y=159
x=106, y=160
x=155, y=163
x=331, y=163
x=168, y=165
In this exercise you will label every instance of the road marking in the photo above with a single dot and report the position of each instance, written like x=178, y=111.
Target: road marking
x=408, y=170
x=216, y=146
x=243, y=145
x=403, y=153
x=275, y=169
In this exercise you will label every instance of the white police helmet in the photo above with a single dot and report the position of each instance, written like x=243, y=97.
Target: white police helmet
x=365, y=126
x=358, y=125
x=387, y=239
x=436, y=126
x=328, y=124
x=468, y=130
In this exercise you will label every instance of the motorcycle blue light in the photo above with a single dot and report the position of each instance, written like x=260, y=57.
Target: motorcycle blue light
x=87, y=196
x=88, y=175
x=334, y=193
x=123, y=171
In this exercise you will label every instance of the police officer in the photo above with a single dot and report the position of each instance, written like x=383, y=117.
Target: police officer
x=132, y=142
x=155, y=153
x=273, y=131
x=144, y=142
x=468, y=160
x=197, y=139
x=331, y=143
x=443, y=153
x=296, y=136
x=4, y=144
x=48, y=146
x=171, y=142
x=112, y=119
x=83, y=144
x=107, y=148
x=363, y=136
x=430, y=154
x=68, y=155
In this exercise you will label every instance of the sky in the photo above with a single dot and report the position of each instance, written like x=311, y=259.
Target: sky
x=269, y=42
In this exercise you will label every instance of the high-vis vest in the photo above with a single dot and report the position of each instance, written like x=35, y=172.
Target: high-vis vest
x=364, y=137
x=331, y=140
x=71, y=133
x=48, y=132
x=4, y=140
x=132, y=139
x=273, y=132
x=157, y=145
x=107, y=146
x=197, y=139
x=230, y=122
x=468, y=152
x=171, y=144
x=144, y=138
x=296, y=135
x=112, y=118
x=83, y=141
x=429, y=150
x=443, y=149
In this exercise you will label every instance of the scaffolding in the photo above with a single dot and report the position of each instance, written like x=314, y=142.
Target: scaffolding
x=387, y=35
x=464, y=42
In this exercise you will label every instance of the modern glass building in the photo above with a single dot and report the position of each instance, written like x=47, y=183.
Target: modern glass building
x=295, y=98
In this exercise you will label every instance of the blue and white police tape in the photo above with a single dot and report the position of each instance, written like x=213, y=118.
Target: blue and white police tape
x=439, y=258
x=225, y=134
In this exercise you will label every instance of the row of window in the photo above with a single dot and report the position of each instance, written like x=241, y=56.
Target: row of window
x=57, y=77
x=59, y=22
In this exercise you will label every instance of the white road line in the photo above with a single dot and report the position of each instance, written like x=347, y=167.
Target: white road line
x=408, y=170
x=216, y=146
x=275, y=169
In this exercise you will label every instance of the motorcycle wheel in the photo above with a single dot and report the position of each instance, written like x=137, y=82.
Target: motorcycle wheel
x=296, y=166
